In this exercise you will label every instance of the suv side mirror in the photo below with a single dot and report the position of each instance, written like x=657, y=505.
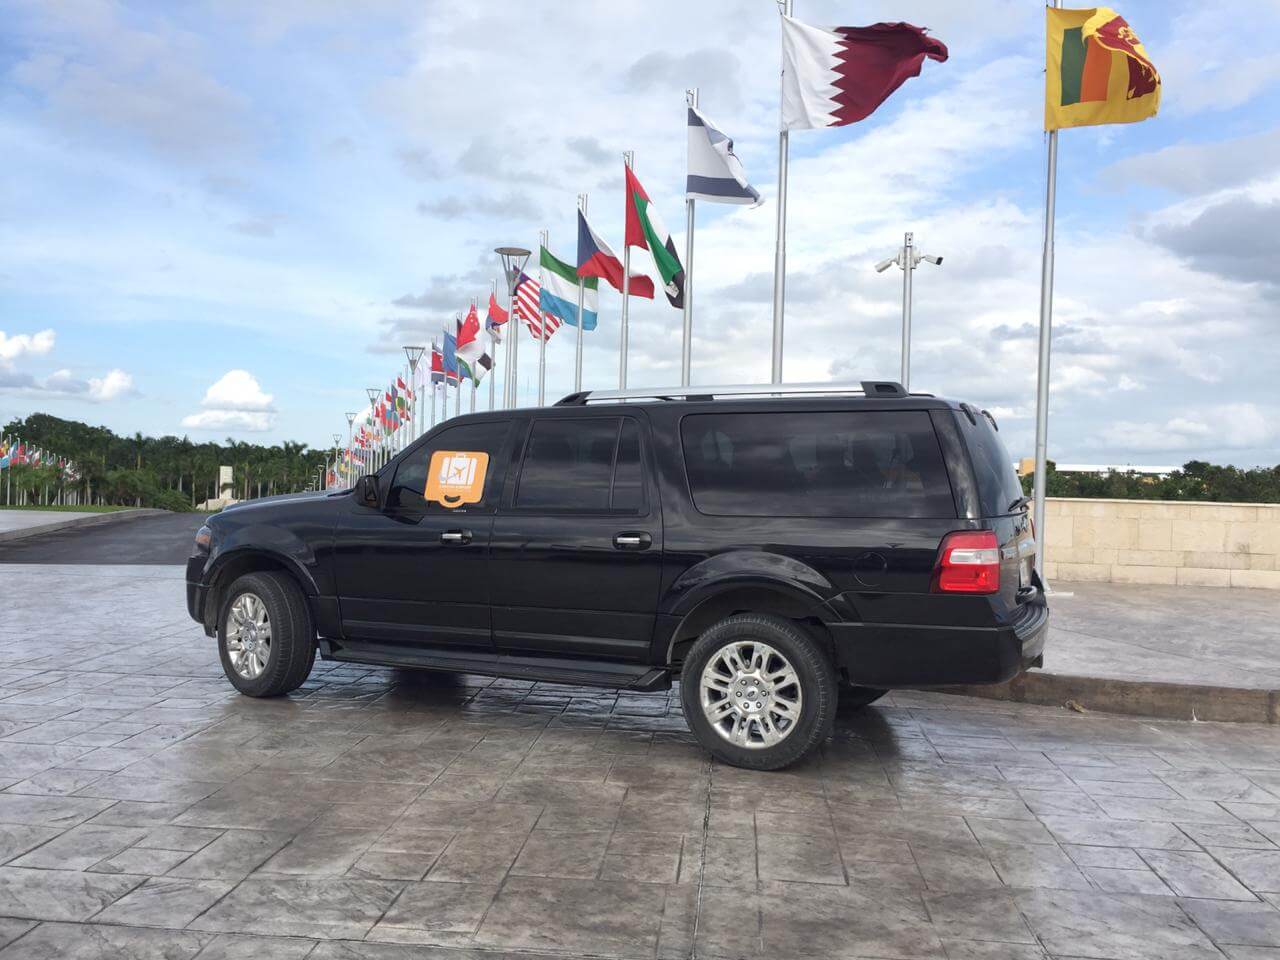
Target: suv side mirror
x=367, y=491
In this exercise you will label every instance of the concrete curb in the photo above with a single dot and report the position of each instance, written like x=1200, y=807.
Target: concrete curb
x=1143, y=698
x=97, y=520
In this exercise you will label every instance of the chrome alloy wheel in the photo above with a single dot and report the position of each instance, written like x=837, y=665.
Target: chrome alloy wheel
x=750, y=694
x=248, y=636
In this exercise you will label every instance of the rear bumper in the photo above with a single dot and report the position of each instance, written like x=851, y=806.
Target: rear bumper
x=904, y=655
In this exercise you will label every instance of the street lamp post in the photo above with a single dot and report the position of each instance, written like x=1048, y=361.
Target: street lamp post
x=351, y=420
x=414, y=354
x=372, y=394
x=908, y=259
x=513, y=261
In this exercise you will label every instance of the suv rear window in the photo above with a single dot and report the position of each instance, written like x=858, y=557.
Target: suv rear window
x=998, y=486
x=804, y=464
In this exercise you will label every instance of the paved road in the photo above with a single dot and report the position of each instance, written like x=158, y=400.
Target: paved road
x=145, y=540
x=147, y=810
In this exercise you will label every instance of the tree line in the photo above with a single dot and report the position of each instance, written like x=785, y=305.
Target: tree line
x=1196, y=480
x=169, y=472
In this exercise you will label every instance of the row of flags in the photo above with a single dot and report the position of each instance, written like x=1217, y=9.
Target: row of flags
x=1097, y=72
x=15, y=453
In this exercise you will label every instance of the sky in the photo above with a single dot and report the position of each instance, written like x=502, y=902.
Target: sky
x=226, y=217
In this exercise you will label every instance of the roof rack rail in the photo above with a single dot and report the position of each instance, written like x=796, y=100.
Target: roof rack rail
x=886, y=389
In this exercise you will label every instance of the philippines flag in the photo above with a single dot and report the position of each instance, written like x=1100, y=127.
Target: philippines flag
x=595, y=259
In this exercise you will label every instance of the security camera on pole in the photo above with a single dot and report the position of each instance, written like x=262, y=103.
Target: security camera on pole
x=908, y=259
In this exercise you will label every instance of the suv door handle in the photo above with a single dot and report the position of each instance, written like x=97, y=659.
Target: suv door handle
x=456, y=536
x=632, y=540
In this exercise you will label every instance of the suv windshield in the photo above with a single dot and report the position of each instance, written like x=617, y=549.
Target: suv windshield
x=998, y=486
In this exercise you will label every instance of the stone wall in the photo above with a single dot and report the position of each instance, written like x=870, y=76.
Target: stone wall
x=1156, y=541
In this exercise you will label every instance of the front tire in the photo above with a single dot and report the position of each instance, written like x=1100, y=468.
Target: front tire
x=265, y=638
x=758, y=691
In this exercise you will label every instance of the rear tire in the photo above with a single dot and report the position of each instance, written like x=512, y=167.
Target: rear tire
x=265, y=638
x=758, y=691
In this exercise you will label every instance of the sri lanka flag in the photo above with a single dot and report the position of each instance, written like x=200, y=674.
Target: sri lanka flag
x=1096, y=70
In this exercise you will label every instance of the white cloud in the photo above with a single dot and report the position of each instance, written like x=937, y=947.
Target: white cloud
x=111, y=386
x=247, y=420
x=1225, y=427
x=19, y=344
x=236, y=401
x=237, y=390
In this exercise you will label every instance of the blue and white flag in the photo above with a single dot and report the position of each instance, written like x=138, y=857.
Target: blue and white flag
x=715, y=173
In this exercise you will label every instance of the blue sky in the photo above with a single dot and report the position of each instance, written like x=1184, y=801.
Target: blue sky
x=232, y=214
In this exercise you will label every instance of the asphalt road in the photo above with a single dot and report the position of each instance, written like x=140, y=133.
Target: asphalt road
x=160, y=539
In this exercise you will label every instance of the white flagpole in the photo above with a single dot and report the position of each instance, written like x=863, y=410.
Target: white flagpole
x=515, y=353
x=686, y=346
x=493, y=359
x=577, y=359
x=780, y=252
x=628, y=158
x=479, y=337
x=544, y=238
x=433, y=384
x=1046, y=332
x=457, y=396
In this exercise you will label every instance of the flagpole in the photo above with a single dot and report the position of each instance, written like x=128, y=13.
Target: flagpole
x=577, y=359
x=493, y=370
x=780, y=252
x=628, y=158
x=686, y=346
x=1046, y=330
x=457, y=396
x=544, y=238
x=515, y=352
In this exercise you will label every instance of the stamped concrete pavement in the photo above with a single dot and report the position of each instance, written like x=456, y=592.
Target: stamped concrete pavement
x=147, y=810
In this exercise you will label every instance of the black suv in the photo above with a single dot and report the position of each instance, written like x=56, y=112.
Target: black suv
x=764, y=546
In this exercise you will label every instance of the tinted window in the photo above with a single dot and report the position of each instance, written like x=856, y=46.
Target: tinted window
x=628, y=483
x=798, y=464
x=410, y=480
x=998, y=485
x=568, y=465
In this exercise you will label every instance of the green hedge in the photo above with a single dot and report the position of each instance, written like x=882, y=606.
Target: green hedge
x=1196, y=480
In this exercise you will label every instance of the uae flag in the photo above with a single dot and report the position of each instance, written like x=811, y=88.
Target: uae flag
x=597, y=259
x=832, y=76
x=646, y=229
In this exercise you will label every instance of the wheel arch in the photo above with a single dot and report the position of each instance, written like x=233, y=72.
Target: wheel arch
x=750, y=596
x=235, y=564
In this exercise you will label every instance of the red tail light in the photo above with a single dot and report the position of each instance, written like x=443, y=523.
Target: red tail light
x=968, y=562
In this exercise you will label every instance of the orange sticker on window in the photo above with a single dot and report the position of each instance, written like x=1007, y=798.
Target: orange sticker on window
x=456, y=477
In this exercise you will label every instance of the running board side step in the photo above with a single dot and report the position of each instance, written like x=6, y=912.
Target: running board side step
x=582, y=673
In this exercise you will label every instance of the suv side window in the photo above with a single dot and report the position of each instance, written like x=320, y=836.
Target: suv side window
x=410, y=479
x=807, y=464
x=588, y=465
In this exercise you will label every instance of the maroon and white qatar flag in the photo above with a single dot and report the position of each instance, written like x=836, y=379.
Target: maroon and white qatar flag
x=837, y=75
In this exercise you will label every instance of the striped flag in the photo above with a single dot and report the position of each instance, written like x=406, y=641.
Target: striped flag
x=528, y=297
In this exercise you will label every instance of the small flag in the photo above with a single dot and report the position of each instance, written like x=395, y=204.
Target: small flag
x=1096, y=70
x=715, y=173
x=437, y=365
x=596, y=259
x=646, y=229
x=528, y=298
x=495, y=320
x=473, y=360
x=559, y=294
x=450, y=358
x=832, y=77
